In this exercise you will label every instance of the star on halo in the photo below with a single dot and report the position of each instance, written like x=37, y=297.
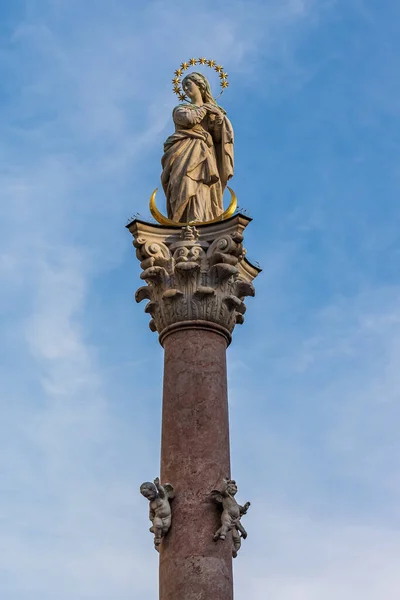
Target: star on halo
x=179, y=73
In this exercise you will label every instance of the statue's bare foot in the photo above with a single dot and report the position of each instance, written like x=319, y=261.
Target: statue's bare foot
x=244, y=535
x=234, y=553
x=216, y=537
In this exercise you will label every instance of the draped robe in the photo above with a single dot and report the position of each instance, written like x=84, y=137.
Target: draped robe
x=197, y=163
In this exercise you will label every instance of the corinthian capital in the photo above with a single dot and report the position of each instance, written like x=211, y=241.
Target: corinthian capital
x=194, y=275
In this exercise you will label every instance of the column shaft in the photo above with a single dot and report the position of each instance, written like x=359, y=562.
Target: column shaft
x=195, y=457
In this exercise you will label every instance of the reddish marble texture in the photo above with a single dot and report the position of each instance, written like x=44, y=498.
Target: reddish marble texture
x=195, y=457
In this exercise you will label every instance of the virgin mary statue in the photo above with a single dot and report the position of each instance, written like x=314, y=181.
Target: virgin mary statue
x=198, y=157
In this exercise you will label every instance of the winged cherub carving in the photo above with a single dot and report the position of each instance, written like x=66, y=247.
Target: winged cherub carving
x=231, y=515
x=160, y=509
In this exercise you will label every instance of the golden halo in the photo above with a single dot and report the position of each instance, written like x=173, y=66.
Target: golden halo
x=159, y=217
x=177, y=80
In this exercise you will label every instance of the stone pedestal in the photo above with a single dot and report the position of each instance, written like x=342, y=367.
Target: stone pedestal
x=197, y=279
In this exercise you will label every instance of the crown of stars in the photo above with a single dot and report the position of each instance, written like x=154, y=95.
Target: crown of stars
x=179, y=73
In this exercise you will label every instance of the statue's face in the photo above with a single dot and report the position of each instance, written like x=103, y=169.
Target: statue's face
x=232, y=488
x=149, y=493
x=191, y=90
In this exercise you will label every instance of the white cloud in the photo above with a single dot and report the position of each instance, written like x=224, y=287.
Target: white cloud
x=92, y=114
x=324, y=469
x=309, y=559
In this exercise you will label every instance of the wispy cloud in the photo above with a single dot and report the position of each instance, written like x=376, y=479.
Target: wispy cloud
x=309, y=558
x=86, y=108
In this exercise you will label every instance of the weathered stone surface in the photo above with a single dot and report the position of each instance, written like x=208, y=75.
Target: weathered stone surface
x=159, y=497
x=231, y=515
x=194, y=273
x=195, y=456
x=198, y=156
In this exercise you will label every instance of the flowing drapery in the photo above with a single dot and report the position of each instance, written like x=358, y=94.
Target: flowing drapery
x=197, y=163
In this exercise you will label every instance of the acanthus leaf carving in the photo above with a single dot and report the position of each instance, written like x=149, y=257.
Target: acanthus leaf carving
x=194, y=273
x=143, y=293
x=244, y=288
x=154, y=274
x=150, y=307
x=172, y=293
x=234, y=303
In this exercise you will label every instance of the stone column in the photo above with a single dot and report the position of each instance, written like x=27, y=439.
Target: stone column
x=197, y=279
x=195, y=453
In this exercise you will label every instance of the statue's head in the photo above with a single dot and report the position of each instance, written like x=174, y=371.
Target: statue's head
x=201, y=82
x=148, y=490
x=231, y=487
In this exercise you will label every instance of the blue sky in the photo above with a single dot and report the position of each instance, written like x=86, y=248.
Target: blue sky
x=314, y=380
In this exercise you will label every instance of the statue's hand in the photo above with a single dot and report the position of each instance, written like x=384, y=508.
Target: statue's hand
x=208, y=106
x=211, y=108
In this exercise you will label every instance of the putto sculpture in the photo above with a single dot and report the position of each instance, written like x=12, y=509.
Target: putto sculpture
x=160, y=509
x=198, y=157
x=231, y=515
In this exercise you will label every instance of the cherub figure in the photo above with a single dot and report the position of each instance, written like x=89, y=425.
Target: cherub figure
x=231, y=514
x=160, y=509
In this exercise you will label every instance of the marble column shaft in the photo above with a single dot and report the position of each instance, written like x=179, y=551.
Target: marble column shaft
x=195, y=455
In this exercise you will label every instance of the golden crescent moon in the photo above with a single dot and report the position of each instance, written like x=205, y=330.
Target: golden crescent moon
x=159, y=217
